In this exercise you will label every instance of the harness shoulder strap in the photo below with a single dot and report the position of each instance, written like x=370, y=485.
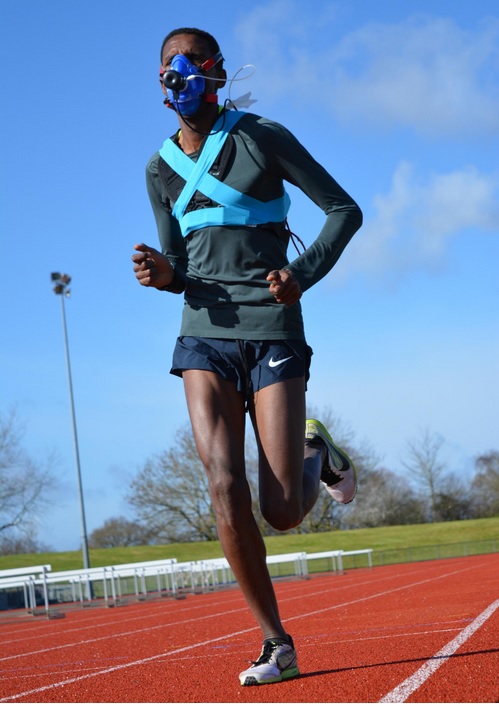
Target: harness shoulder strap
x=237, y=208
x=194, y=172
x=173, y=183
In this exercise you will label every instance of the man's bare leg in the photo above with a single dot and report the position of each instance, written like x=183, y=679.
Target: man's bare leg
x=217, y=415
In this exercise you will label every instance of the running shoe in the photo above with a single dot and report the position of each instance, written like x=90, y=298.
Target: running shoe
x=277, y=662
x=338, y=472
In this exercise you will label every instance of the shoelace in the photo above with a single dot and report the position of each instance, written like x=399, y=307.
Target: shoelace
x=328, y=476
x=268, y=649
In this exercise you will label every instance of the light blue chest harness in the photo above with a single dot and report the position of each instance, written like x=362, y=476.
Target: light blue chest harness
x=235, y=208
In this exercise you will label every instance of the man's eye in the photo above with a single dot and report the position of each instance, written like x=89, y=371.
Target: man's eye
x=195, y=59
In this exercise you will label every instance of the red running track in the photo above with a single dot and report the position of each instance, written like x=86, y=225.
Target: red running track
x=420, y=632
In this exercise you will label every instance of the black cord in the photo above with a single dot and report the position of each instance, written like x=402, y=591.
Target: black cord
x=293, y=235
x=190, y=126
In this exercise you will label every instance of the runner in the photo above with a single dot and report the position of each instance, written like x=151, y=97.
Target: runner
x=217, y=191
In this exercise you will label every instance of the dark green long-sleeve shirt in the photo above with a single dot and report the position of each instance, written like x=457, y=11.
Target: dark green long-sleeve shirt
x=222, y=270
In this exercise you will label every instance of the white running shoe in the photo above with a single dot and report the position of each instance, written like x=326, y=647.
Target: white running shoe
x=277, y=662
x=338, y=472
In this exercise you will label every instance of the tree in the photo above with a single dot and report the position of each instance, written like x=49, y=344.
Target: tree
x=170, y=494
x=25, y=486
x=21, y=543
x=117, y=533
x=426, y=467
x=384, y=499
x=485, y=485
x=453, y=500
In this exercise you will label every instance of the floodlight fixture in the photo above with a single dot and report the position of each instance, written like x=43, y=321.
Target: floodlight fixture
x=61, y=282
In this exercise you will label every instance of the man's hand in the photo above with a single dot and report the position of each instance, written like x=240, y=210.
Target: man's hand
x=284, y=287
x=151, y=267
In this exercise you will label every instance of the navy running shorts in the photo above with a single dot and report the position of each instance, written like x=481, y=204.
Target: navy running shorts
x=250, y=365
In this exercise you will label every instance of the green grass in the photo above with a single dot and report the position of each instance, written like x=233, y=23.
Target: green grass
x=379, y=539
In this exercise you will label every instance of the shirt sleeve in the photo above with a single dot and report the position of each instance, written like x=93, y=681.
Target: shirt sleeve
x=343, y=215
x=170, y=237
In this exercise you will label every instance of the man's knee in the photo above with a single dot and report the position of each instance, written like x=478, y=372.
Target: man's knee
x=231, y=499
x=284, y=516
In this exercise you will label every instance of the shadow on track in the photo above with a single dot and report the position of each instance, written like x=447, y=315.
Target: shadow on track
x=318, y=673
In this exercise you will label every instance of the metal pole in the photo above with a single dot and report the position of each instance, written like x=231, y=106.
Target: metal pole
x=84, y=540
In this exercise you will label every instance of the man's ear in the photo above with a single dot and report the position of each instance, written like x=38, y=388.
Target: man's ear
x=222, y=75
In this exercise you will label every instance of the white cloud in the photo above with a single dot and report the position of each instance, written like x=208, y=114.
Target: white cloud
x=415, y=221
x=276, y=37
x=426, y=73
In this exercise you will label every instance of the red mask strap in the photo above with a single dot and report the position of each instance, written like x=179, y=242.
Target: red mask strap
x=209, y=63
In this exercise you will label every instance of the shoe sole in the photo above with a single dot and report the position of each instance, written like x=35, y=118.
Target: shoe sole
x=251, y=680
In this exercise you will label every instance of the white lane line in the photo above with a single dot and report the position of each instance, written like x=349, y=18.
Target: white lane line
x=77, y=644
x=405, y=689
x=151, y=614
x=54, y=685
x=374, y=596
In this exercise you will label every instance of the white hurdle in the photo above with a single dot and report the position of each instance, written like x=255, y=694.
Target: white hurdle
x=336, y=557
x=27, y=577
x=299, y=559
x=333, y=555
x=178, y=578
x=367, y=551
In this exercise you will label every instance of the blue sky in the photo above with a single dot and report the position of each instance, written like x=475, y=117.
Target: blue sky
x=398, y=100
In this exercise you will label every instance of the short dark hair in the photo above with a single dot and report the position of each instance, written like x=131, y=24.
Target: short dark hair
x=212, y=42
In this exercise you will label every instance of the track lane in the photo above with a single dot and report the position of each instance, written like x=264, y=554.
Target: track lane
x=354, y=638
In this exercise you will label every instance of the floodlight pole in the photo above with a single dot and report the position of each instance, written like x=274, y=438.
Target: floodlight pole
x=60, y=288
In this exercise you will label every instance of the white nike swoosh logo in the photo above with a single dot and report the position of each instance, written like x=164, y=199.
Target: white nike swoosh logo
x=276, y=363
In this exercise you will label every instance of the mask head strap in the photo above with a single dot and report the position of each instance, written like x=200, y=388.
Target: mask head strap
x=213, y=61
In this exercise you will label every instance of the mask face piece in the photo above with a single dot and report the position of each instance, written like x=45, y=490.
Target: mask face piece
x=185, y=85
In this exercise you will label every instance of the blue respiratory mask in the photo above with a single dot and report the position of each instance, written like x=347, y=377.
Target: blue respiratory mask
x=185, y=84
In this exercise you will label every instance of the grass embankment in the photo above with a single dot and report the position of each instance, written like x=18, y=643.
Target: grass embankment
x=383, y=538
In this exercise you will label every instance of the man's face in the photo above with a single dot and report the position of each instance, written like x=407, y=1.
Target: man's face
x=197, y=50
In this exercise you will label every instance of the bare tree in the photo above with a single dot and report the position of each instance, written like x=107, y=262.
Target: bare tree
x=485, y=485
x=118, y=532
x=426, y=467
x=453, y=499
x=170, y=494
x=22, y=543
x=25, y=485
x=384, y=499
